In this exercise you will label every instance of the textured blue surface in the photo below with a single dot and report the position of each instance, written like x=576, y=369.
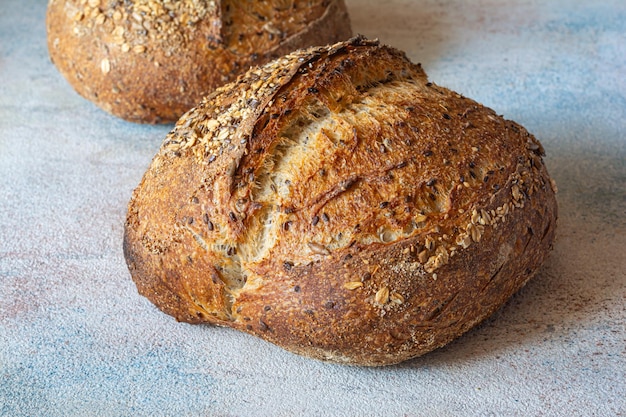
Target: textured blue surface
x=77, y=340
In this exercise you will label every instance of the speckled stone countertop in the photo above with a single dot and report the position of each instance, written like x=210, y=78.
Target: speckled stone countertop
x=77, y=340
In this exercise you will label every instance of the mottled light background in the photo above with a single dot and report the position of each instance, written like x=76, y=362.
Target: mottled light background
x=77, y=340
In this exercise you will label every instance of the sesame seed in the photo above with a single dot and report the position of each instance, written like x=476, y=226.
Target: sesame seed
x=382, y=295
x=352, y=285
x=515, y=191
x=262, y=326
x=419, y=218
x=396, y=298
x=105, y=66
x=118, y=31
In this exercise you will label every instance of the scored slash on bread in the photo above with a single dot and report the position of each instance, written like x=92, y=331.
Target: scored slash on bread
x=338, y=204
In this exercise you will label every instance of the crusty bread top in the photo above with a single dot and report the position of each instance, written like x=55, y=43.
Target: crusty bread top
x=152, y=60
x=340, y=173
x=169, y=26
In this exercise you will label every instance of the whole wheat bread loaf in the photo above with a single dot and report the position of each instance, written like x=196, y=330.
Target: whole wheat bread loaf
x=337, y=203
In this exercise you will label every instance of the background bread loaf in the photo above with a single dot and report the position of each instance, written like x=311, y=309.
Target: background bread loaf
x=150, y=61
x=338, y=204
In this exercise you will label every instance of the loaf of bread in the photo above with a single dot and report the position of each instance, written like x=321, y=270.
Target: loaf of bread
x=338, y=204
x=152, y=60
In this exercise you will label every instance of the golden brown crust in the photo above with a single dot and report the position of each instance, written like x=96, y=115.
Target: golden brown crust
x=152, y=60
x=338, y=204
